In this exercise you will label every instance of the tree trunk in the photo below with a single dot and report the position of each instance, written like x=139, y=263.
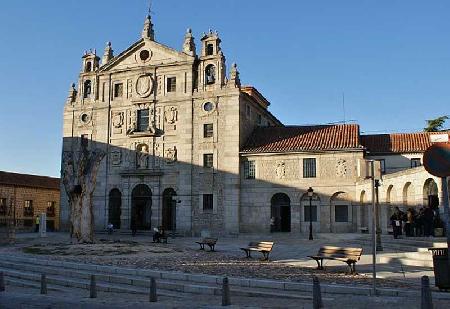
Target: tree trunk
x=79, y=178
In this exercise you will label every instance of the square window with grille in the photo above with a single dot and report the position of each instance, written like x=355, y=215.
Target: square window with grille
x=309, y=168
x=143, y=120
x=3, y=208
x=306, y=212
x=415, y=162
x=341, y=213
x=208, y=202
x=208, y=160
x=118, y=90
x=208, y=130
x=28, y=210
x=249, y=169
x=171, y=84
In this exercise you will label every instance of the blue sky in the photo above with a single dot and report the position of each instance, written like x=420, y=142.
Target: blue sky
x=391, y=58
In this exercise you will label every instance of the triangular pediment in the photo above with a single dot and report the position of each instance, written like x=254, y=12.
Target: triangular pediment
x=145, y=53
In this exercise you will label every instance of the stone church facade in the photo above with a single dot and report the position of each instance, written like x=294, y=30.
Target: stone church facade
x=191, y=149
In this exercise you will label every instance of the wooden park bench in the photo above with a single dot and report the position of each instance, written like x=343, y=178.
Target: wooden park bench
x=211, y=242
x=347, y=255
x=265, y=247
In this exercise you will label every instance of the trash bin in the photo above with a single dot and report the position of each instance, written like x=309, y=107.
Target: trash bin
x=441, y=268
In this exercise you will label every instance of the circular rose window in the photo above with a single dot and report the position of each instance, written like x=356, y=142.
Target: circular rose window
x=208, y=106
x=85, y=118
x=144, y=55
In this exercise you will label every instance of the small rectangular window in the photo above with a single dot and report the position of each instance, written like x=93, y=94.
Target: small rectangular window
x=248, y=111
x=28, y=210
x=306, y=213
x=143, y=120
x=341, y=213
x=3, y=209
x=208, y=160
x=208, y=202
x=209, y=49
x=415, y=162
x=259, y=120
x=309, y=168
x=171, y=84
x=118, y=90
x=249, y=169
x=208, y=130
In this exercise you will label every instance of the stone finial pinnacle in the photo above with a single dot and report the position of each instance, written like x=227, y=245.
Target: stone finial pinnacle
x=108, y=54
x=148, y=32
x=189, y=44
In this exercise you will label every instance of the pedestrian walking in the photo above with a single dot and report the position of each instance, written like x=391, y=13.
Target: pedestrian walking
x=37, y=222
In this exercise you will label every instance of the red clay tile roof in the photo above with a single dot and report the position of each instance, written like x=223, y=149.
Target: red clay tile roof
x=303, y=138
x=33, y=181
x=397, y=142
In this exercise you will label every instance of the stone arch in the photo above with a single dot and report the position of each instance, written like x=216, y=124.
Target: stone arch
x=390, y=203
x=169, y=210
x=87, y=89
x=340, y=208
x=430, y=193
x=210, y=74
x=363, y=210
x=115, y=207
x=280, y=212
x=408, y=196
x=141, y=207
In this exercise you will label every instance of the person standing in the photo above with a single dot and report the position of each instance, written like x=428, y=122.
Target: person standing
x=428, y=217
x=37, y=222
x=396, y=222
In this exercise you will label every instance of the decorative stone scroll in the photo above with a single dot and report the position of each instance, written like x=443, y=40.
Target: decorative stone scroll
x=280, y=170
x=144, y=86
x=341, y=168
x=171, y=155
x=117, y=122
x=116, y=157
x=171, y=115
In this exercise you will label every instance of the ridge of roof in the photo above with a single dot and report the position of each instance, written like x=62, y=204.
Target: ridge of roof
x=28, y=180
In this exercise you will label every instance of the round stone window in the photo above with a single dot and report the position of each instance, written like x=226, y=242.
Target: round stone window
x=144, y=55
x=85, y=118
x=208, y=106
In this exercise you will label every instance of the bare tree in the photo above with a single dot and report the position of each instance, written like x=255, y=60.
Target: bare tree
x=79, y=176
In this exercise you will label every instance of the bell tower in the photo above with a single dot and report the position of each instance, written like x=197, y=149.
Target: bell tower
x=212, y=62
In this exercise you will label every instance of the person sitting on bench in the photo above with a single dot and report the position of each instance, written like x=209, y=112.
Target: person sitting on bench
x=156, y=235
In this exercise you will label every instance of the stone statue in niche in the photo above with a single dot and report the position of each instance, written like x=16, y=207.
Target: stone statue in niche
x=171, y=155
x=172, y=115
x=116, y=157
x=341, y=168
x=142, y=153
x=280, y=170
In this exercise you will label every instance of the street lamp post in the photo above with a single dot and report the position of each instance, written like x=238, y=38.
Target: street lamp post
x=310, y=195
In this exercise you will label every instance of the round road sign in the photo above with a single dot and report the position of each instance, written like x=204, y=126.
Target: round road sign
x=437, y=159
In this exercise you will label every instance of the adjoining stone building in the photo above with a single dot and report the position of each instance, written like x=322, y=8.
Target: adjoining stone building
x=191, y=149
x=23, y=197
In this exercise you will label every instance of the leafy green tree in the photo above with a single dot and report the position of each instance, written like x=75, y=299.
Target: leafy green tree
x=436, y=125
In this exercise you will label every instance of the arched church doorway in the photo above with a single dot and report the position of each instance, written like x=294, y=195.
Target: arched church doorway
x=115, y=205
x=280, y=213
x=169, y=213
x=141, y=207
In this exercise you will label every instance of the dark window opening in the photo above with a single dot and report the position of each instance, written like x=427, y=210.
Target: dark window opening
x=144, y=55
x=306, y=212
x=208, y=130
x=87, y=89
x=84, y=140
x=208, y=160
x=210, y=73
x=210, y=49
x=88, y=66
x=143, y=120
x=383, y=166
x=249, y=169
x=51, y=209
x=415, y=162
x=3, y=207
x=309, y=168
x=171, y=84
x=118, y=90
x=208, y=202
x=341, y=213
x=28, y=210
